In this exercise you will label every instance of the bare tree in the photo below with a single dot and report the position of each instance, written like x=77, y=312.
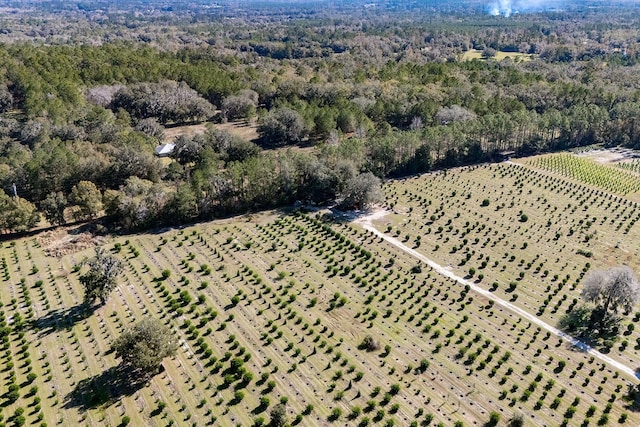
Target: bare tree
x=611, y=290
x=455, y=113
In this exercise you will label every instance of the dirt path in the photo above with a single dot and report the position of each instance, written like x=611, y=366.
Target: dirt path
x=367, y=223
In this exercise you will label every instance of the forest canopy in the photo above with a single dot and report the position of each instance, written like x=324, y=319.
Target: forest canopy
x=331, y=99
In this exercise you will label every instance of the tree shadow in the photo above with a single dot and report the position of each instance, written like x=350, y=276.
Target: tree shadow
x=105, y=389
x=63, y=318
x=632, y=396
x=587, y=324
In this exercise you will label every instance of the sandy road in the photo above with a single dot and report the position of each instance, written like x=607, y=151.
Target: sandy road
x=367, y=223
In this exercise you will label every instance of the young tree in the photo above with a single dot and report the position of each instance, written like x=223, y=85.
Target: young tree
x=143, y=347
x=101, y=278
x=611, y=290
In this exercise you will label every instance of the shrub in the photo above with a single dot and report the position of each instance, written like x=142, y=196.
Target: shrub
x=369, y=344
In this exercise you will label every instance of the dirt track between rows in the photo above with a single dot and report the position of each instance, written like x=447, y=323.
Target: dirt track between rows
x=367, y=223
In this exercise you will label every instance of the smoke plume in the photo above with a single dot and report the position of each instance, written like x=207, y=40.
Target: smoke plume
x=510, y=7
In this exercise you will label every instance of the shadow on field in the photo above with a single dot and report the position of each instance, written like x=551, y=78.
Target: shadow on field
x=104, y=389
x=64, y=318
x=592, y=327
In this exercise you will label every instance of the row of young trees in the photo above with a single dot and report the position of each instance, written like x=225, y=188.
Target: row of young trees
x=140, y=348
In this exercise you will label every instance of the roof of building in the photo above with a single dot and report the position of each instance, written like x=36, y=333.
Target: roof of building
x=165, y=149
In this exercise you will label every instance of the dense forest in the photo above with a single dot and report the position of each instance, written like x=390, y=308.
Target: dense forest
x=335, y=97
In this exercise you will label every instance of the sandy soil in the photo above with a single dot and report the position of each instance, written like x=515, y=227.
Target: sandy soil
x=610, y=155
x=367, y=223
x=241, y=129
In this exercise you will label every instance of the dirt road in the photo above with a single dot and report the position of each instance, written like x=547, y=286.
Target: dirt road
x=367, y=223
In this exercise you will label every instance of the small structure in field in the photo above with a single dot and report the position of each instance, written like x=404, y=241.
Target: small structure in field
x=504, y=156
x=165, y=150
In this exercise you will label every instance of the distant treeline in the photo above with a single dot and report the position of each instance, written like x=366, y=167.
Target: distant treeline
x=79, y=124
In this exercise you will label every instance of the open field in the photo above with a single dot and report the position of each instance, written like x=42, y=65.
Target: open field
x=516, y=56
x=246, y=131
x=291, y=296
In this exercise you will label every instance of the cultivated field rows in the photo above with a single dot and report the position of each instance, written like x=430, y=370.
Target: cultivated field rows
x=537, y=260
x=273, y=307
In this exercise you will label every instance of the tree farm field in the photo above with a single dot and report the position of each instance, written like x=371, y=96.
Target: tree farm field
x=274, y=307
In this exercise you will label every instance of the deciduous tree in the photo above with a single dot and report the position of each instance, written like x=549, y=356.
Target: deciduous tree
x=282, y=127
x=362, y=191
x=101, y=278
x=611, y=290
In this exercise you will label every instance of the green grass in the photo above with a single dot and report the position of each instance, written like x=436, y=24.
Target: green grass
x=608, y=178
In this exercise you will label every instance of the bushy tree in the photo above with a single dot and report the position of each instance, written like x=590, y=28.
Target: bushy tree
x=362, y=191
x=611, y=290
x=143, y=347
x=187, y=149
x=87, y=198
x=17, y=214
x=239, y=150
x=6, y=99
x=167, y=101
x=281, y=127
x=101, y=278
x=53, y=207
x=241, y=106
x=139, y=203
x=369, y=343
x=129, y=161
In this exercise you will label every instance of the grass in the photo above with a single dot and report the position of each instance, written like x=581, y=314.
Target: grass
x=247, y=131
x=292, y=296
x=516, y=56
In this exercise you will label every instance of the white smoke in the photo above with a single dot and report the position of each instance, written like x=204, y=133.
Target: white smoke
x=501, y=7
x=510, y=7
